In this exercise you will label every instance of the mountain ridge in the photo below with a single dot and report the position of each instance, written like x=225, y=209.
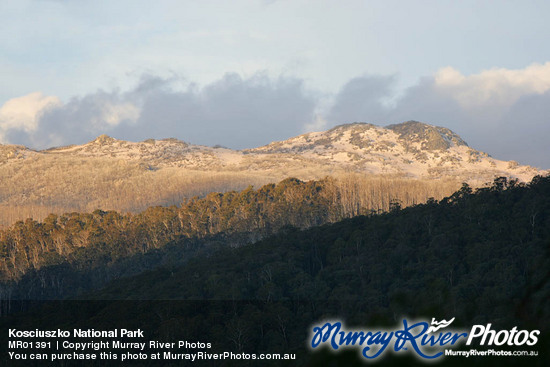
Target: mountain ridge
x=412, y=149
x=111, y=174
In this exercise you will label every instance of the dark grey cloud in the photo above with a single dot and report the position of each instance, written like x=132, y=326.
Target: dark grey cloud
x=525, y=131
x=78, y=121
x=362, y=98
x=247, y=112
x=233, y=111
x=518, y=131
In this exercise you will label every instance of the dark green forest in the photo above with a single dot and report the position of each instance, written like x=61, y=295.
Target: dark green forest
x=45, y=259
x=481, y=256
x=67, y=255
x=475, y=253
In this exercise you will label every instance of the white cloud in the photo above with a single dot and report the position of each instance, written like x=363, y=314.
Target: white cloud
x=113, y=114
x=23, y=113
x=501, y=111
x=40, y=121
x=318, y=124
x=234, y=111
x=494, y=87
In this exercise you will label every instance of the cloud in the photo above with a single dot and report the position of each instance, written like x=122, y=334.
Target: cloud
x=360, y=98
x=79, y=120
x=500, y=87
x=112, y=114
x=233, y=111
x=501, y=111
x=23, y=113
x=525, y=130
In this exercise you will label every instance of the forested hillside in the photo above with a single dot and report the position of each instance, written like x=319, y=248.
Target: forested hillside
x=31, y=244
x=482, y=257
x=37, y=257
x=111, y=244
x=477, y=254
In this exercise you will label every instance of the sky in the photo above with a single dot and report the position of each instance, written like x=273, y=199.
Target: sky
x=243, y=73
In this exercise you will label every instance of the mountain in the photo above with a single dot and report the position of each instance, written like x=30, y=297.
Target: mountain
x=411, y=149
x=108, y=173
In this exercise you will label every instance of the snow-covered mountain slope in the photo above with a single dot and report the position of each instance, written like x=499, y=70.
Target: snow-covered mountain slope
x=114, y=174
x=411, y=149
x=156, y=153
